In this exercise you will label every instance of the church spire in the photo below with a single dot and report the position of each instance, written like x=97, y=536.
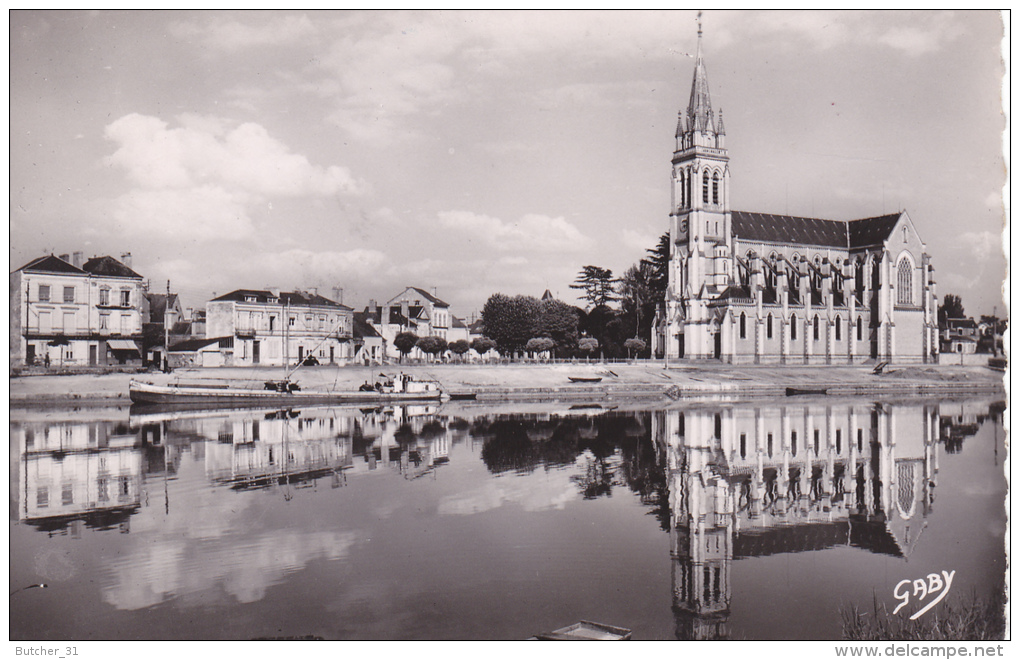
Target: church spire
x=699, y=110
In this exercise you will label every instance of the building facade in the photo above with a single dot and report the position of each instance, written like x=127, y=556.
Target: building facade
x=413, y=310
x=271, y=327
x=758, y=287
x=64, y=312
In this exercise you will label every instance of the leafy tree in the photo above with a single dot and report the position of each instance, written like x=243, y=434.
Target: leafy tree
x=405, y=342
x=559, y=322
x=511, y=322
x=483, y=345
x=588, y=345
x=597, y=284
x=951, y=308
x=460, y=347
x=539, y=345
x=636, y=293
x=634, y=346
x=432, y=345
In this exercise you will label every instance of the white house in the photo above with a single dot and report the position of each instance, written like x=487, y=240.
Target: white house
x=275, y=328
x=67, y=313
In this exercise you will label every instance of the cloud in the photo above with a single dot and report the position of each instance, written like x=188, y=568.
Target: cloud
x=202, y=179
x=638, y=241
x=232, y=35
x=202, y=150
x=913, y=33
x=980, y=245
x=532, y=232
x=309, y=266
x=202, y=213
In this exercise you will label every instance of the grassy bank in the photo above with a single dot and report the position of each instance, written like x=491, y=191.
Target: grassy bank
x=957, y=619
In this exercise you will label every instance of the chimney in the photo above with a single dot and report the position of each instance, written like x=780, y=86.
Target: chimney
x=274, y=290
x=125, y=259
x=371, y=306
x=313, y=290
x=405, y=309
x=77, y=259
x=65, y=257
x=191, y=313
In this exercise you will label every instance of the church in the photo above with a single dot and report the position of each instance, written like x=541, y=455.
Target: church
x=764, y=288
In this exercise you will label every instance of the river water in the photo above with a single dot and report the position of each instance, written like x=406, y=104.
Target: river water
x=755, y=520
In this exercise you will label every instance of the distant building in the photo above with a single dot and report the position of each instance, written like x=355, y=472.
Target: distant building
x=760, y=287
x=162, y=322
x=413, y=310
x=202, y=352
x=269, y=326
x=959, y=335
x=68, y=313
x=368, y=343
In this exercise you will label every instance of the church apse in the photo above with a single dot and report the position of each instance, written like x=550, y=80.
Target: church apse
x=756, y=481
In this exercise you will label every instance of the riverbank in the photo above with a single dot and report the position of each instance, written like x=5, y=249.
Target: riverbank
x=541, y=382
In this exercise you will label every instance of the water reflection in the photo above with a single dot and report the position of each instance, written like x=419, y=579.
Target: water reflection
x=231, y=503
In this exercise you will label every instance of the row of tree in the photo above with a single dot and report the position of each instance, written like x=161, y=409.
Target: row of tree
x=434, y=346
x=615, y=321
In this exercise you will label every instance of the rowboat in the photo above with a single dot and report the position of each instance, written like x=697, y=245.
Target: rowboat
x=794, y=391
x=402, y=388
x=585, y=379
x=586, y=630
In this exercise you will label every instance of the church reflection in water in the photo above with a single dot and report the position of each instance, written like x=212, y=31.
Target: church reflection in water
x=728, y=481
x=761, y=480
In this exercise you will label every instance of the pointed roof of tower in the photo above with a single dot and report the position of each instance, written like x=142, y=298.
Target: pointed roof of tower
x=699, y=110
x=719, y=127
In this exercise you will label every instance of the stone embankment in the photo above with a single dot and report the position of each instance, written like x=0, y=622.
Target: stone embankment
x=639, y=381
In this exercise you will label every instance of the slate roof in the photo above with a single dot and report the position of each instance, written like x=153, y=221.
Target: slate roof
x=109, y=266
x=51, y=264
x=458, y=323
x=768, y=227
x=158, y=304
x=296, y=298
x=431, y=298
x=362, y=328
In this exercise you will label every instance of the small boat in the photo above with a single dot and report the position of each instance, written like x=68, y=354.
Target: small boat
x=586, y=630
x=585, y=379
x=794, y=391
x=401, y=388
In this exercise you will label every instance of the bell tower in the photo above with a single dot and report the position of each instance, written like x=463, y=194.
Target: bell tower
x=700, y=238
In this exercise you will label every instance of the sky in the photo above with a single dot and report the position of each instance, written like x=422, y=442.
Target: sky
x=470, y=153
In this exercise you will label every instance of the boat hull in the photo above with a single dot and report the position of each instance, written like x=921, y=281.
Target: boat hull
x=147, y=393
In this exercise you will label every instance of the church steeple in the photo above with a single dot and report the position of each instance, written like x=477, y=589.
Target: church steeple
x=699, y=110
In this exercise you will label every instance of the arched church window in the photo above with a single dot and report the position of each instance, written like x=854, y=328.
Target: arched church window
x=904, y=234
x=860, y=329
x=743, y=326
x=839, y=328
x=715, y=187
x=768, y=327
x=816, y=328
x=904, y=283
x=680, y=182
x=704, y=187
x=690, y=187
x=793, y=327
